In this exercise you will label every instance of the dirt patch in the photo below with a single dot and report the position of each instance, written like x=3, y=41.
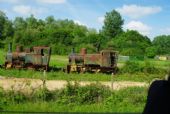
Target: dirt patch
x=25, y=84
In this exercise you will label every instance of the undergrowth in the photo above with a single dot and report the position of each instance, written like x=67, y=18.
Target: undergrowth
x=73, y=98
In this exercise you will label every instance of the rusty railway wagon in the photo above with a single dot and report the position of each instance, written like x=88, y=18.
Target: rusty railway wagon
x=37, y=58
x=104, y=61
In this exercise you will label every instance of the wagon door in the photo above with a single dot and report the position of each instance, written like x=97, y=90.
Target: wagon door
x=113, y=59
x=46, y=56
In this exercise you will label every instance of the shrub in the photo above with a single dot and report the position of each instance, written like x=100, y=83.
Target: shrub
x=73, y=93
x=135, y=67
x=43, y=95
x=129, y=97
x=92, y=93
x=131, y=67
x=149, y=68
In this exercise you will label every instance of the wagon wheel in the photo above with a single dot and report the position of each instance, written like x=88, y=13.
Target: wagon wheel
x=29, y=66
x=78, y=69
x=83, y=69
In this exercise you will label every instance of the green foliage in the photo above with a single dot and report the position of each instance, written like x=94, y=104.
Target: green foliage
x=150, y=68
x=75, y=98
x=72, y=94
x=62, y=35
x=125, y=100
x=6, y=30
x=131, y=43
x=131, y=67
x=162, y=43
x=84, y=95
x=146, y=67
x=112, y=24
x=61, y=51
x=151, y=51
x=133, y=98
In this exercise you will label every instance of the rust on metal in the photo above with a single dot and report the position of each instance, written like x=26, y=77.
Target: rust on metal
x=29, y=58
x=83, y=51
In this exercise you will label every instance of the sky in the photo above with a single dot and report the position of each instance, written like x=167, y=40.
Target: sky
x=149, y=17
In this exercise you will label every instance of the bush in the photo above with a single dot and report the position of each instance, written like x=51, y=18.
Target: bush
x=149, y=68
x=44, y=95
x=135, y=67
x=73, y=93
x=129, y=98
x=84, y=95
x=131, y=67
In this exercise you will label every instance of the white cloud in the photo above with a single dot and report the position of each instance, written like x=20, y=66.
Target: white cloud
x=79, y=22
x=100, y=20
x=27, y=10
x=52, y=1
x=136, y=11
x=139, y=26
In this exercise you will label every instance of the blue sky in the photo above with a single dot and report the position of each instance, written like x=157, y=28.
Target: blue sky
x=149, y=17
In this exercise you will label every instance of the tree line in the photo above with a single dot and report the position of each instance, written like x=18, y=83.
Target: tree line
x=63, y=35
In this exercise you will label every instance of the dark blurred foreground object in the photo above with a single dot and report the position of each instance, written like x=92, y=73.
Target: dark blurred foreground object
x=158, y=100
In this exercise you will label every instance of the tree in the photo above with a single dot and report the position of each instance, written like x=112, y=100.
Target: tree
x=32, y=22
x=6, y=29
x=162, y=43
x=2, y=21
x=131, y=43
x=112, y=24
x=19, y=23
x=151, y=51
x=50, y=20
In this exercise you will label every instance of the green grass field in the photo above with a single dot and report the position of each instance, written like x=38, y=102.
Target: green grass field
x=140, y=77
x=126, y=100
x=58, y=61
